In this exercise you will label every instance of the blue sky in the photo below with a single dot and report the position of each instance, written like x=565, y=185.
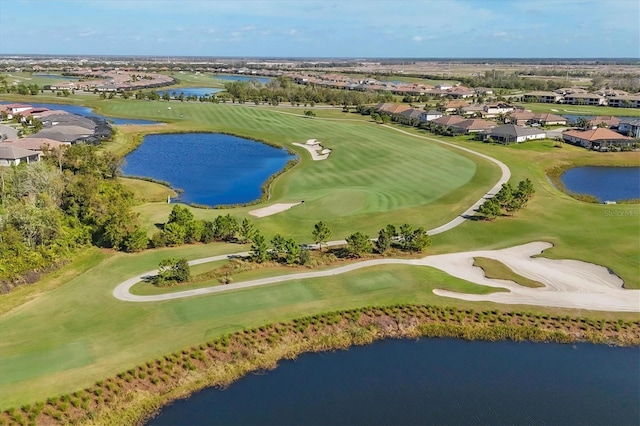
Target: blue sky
x=308, y=28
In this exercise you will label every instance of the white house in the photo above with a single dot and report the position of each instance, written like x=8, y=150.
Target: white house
x=511, y=133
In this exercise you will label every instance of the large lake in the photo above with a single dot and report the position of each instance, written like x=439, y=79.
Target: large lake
x=604, y=183
x=430, y=381
x=263, y=80
x=211, y=168
x=88, y=112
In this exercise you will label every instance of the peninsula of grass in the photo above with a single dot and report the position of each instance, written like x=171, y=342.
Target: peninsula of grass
x=495, y=269
x=133, y=395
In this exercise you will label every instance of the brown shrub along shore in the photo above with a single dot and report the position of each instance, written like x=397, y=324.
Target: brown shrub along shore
x=133, y=396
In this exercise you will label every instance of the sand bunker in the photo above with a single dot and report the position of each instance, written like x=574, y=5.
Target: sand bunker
x=272, y=209
x=315, y=149
x=568, y=283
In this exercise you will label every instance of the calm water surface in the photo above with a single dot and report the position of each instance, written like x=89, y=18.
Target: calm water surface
x=430, y=381
x=187, y=91
x=210, y=168
x=262, y=80
x=605, y=183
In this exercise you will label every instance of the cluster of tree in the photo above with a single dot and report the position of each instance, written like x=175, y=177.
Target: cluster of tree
x=183, y=228
x=282, y=250
x=172, y=271
x=508, y=199
x=282, y=89
x=19, y=89
x=50, y=208
x=406, y=238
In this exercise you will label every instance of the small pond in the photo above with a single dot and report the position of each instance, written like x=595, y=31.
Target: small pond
x=57, y=77
x=190, y=91
x=430, y=381
x=604, y=183
x=88, y=112
x=211, y=168
x=226, y=77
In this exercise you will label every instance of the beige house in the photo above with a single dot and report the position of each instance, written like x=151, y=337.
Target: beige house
x=13, y=155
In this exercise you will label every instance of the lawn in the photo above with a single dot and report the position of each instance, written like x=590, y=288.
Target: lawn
x=75, y=332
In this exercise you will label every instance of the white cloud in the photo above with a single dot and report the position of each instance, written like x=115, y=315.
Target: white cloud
x=417, y=39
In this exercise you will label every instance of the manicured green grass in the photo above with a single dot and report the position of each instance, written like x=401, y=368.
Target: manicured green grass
x=118, y=335
x=148, y=191
x=497, y=270
x=375, y=176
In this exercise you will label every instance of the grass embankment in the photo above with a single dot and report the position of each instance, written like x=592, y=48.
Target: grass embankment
x=132, y=395
x=497, y=270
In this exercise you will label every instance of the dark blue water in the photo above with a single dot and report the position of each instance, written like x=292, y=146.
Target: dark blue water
x=430, y=381
x=572, y=119
x=88, y=112
x=262, y=80
x=604, y=183
x=211, y=168
x=187, y=91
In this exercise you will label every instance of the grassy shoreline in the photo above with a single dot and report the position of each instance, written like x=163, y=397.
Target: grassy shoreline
x=134, y=396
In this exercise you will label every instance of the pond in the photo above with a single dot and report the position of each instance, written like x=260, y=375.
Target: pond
x=430, y=381
x=604, y=183
x=57, y=77
x=88, y=112
x=190, y=91
x=263, y=80
x=211, y=168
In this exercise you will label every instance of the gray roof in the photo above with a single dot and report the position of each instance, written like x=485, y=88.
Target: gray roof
x=10, y=152
x=433, y=112
x=412, y=113
x=632, y=121
x=514, y=131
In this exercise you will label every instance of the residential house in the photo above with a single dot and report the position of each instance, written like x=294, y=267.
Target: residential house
x=604, y=121
x=472, y=126
x=519, y=117
x=494, y=110
x=630, y=127
x=430, y=115
x=460, y=92
x=36, y=144
x=411, y=114
x=511, y=133
x=599, y=139
x=584, y=99
x=474, y=110
x=542, y=97
x=14, y=155
x=453, y=106
x=448, y=120
x=547, y=119
x=392, y=109
x=629, y=101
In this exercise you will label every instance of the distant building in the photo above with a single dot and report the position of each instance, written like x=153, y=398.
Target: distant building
x=600, y=138
x=14, y=155
x=511, y=133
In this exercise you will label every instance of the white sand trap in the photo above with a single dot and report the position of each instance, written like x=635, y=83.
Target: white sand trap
x=272, y=209
x=568, y=283
x=315, y=149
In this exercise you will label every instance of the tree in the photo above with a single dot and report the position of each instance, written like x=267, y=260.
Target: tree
x=247, y=230
x=420, y=240
x=583, y=123
x=359, y=244
x=406, y=233
x=526, y=187
x=305, y=256
x=383, y=242
x=505, y=195
x=173, y=270
x=292, y=251
x=490, y=208
x=278, y=244
x=321, y=233
x=259, y=248
x=181, y=215
x=136, y=241
x=309, y=113
x=226, y=227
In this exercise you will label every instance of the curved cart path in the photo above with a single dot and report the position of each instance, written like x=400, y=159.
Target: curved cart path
x=568, y=283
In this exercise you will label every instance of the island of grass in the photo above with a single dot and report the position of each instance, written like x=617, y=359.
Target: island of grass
x=497, y=270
